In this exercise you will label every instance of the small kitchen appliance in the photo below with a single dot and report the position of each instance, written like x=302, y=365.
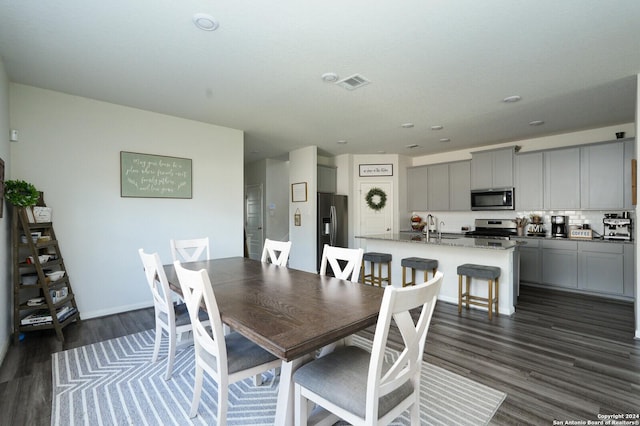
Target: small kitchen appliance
x=559, y=226
x=617, y=228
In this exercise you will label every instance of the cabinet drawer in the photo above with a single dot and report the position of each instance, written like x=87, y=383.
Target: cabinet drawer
x=560, y=245
x=601, y=247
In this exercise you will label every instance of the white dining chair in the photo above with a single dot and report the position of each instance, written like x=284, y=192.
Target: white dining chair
x=227, y=359
x=351, y=258
x=172, y=319
x=365, y=388
x=190, y=250
x=276, y=252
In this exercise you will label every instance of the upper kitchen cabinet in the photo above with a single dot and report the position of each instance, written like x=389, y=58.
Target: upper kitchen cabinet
x=460, y=186
x=529, y=180
x=562, y=179
x=417, y=188
x=629, y=156
x=442, y=187
x=327, y=179
x=492, y=169
x=438, y=187
x=602, y=171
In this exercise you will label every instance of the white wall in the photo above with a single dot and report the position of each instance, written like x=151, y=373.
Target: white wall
x=6, y=289
x=635, y=237
x=69, y=148
x=303, y=165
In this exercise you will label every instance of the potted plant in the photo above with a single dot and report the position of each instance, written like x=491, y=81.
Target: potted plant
x=21, y=193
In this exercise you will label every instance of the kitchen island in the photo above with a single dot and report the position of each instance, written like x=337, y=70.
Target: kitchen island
x=451, y=251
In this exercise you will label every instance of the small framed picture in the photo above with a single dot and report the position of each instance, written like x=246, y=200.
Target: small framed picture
x=376, y=170
x=299, y=192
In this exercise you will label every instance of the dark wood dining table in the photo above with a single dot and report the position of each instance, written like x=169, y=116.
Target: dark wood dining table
x=290, y=313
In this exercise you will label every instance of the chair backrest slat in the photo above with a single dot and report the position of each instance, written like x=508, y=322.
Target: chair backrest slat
x=190, y=250
x=333, y=255
x=396, y=306
x=276, y=252
x=197, y=291
x=158, y=283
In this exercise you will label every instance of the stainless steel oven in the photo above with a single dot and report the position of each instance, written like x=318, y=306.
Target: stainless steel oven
x=492, y=199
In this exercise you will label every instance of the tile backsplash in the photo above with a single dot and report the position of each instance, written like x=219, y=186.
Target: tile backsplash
x=455, y=221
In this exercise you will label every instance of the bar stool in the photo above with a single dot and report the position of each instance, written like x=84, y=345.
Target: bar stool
x=417, y=263
x=490, y=273
x=376, y=258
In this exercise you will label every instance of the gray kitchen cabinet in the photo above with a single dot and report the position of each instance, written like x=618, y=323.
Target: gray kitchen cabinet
x=562, y=179
x=560, y=263
x=601, y=267
x=438, y=187
x=327, y=179
x=417, y=188
x=629, y=270
x=529, y=181
x=530, y=262
x=492, y=169
x=460, y=186
x=629, y=154
x=602, y=176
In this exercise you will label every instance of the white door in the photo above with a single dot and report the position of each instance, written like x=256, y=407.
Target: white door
x=372, y=220
x=254, y=220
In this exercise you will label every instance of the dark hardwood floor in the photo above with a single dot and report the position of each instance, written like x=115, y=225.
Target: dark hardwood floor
x=562, y=356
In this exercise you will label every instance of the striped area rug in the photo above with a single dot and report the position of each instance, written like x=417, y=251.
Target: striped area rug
x=115, y=383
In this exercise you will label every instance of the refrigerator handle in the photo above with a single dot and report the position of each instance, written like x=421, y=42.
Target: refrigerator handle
x=333, y=217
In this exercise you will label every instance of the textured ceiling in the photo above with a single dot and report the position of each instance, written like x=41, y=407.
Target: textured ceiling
x=446, y=62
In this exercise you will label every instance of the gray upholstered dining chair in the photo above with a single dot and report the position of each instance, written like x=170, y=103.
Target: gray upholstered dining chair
x=190, y=250
x=227, y=359
x=352, y=259
x=172, y=319
x=276, y=252
x=365, y=388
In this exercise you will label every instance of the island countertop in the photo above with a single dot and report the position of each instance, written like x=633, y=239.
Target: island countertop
x=451, y=251
x=446, y=240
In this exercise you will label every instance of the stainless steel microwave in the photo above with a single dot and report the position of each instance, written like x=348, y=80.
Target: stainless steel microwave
x=492, y=199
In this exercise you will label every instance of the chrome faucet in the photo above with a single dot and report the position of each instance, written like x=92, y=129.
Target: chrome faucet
x=431, y=220
x=440, y=225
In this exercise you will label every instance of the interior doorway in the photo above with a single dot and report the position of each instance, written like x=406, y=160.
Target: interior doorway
x=375, y=221
x=254, y=220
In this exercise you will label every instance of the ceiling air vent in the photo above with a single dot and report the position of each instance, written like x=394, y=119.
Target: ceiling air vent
x=353, y=82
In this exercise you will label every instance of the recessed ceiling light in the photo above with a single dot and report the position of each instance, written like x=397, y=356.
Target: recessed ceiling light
x=445, y=140
x=255, y=152
x=205, y=22
x=413, y=145
x=341, y=142
x=382, y=152
x=329, y=77
x=536, y=123
x=437, y=127
x=510, y=99
x=406, y=125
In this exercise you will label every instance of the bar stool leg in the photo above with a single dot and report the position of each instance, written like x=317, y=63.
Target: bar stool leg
x=497, y=297
x=459, y=294
x=468, y=293
x=388, y=273
x=490, y=298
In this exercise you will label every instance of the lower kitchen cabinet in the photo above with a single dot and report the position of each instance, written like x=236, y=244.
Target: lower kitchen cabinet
x=560, y=263
x=530, y=265
x=591, y=267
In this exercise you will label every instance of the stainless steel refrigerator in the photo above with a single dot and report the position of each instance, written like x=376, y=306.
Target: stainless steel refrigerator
x=332, y=223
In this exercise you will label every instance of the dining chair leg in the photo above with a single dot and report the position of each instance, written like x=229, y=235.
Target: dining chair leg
x=257, y=379
x=197, y=390
x=170, y=356
x=415, y=413
x=223, y=398
x=156, y=347
x=301, y=408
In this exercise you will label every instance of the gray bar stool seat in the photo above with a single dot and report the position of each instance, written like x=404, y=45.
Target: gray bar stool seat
x=375, y=258
x=490, y=273
x=420, y=264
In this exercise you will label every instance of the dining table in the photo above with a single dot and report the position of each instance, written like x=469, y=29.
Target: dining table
x=289, y=312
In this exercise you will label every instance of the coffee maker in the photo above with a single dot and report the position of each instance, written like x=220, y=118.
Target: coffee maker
x=616, y=227
x=559, y=225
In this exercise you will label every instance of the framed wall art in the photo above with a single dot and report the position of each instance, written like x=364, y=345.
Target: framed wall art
x=299, y=192
x=376, y=170
x=154, y=176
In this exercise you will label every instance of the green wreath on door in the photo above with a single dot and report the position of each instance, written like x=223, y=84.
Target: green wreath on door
x=376, y=199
